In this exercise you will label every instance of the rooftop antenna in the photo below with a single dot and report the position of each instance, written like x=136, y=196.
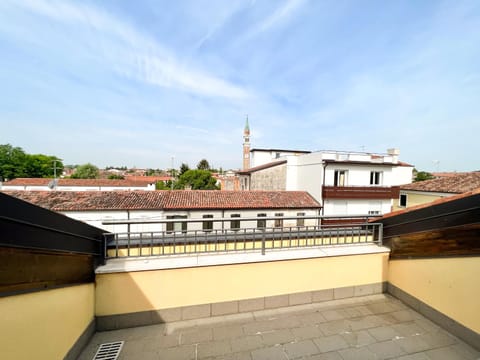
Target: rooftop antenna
x=53, y=183
x=437, y=165
x=173, y=173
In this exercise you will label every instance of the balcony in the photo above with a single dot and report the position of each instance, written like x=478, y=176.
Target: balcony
x=360, y=192
x=303, y=297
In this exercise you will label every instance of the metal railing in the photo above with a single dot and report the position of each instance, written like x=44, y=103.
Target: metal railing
x=223, y=239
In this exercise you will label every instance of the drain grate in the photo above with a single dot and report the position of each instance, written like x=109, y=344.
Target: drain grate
x=109, y=351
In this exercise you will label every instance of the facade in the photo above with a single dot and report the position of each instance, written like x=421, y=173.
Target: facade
x=261, y=157
x=95, y=208
x=448, y=184
x=345, y=183
x=77, y=184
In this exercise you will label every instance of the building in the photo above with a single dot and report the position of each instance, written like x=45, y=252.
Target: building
x=94, y=208
x=345, y=183
x=448, y=184
x=77, y=184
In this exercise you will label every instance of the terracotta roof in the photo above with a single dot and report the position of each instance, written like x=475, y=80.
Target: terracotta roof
x=149, y=179
x=76, y=182
x=426, y=205
x=460, y=183
x=261, y=167
x=167, y=200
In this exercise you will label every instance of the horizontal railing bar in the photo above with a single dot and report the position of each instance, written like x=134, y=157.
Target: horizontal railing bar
x=213, y=219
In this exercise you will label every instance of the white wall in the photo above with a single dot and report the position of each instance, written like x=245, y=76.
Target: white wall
x=402, y=175
x=356, y=207
x=309, y=174
x=96, y=218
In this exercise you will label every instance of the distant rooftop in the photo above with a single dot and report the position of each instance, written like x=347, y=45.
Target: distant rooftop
x=167, y=200
x=456, y=184
x=77, y=182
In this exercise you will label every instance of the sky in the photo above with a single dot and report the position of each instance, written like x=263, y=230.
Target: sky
x=152, y=83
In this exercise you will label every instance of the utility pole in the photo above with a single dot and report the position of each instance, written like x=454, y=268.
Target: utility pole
x=173, y=172
x=55, y=167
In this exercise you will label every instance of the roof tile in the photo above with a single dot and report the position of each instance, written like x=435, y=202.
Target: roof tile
x=457, y=184
x=167, y=200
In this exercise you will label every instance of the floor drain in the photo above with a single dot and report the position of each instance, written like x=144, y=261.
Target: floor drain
x=109, y=351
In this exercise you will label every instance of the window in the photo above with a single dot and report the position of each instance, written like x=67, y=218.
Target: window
x=375, y=208
x=180, y=226
x=375, y=178
x=279, y=222
x=261, y=223
x=235, y=224
x=301, y=222
x=207, y=225
x=277, y=155
x=403, y=200
x=340, y=178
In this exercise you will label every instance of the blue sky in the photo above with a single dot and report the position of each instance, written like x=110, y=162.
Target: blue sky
x=136, y=83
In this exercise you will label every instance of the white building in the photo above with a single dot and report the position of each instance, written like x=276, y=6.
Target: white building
x=344, y=183
x=97, y=207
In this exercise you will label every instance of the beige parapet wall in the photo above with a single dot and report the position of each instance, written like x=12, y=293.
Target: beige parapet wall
x=140, y=291
x=449, y=285
x=45, y=324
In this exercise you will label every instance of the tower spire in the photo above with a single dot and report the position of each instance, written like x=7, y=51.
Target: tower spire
x=247, y=127
x=246, y=146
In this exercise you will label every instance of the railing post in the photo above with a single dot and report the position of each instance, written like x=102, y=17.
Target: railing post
x=380, y=234
x=263, y=241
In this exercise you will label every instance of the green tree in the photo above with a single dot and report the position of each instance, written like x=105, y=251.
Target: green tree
x=14, y=162
x=203, y=165
x=40, y=165
x=115, y=177
x=86, y=171
x=183, y=169
x=197, y=180
x=160, y=185
x=422, y=176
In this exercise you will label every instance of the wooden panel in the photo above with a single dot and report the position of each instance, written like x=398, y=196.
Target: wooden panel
x=360, y=192
x=23, y=269
x=464, y=240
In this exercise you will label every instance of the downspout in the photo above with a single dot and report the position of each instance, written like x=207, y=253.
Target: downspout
x=323, y=187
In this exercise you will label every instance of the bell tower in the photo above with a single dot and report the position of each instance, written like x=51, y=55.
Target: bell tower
x=246, y=146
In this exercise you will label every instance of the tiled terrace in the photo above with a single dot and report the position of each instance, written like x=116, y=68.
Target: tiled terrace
x=370, y=327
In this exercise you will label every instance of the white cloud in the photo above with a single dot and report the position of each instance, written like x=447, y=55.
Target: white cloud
x=134, y=54
x=281, y=14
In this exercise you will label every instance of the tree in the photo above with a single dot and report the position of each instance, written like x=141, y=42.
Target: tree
x=197, y=180
x=422, y=176
x=160, y=185
x=115, y=177
x=183, y=169
x=86, y=171
x=14, y=162
x=203, y=165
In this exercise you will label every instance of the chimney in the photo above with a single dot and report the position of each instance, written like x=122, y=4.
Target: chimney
x=394, y=152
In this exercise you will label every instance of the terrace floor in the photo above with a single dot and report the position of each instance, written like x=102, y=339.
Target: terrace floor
x=370, y=327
